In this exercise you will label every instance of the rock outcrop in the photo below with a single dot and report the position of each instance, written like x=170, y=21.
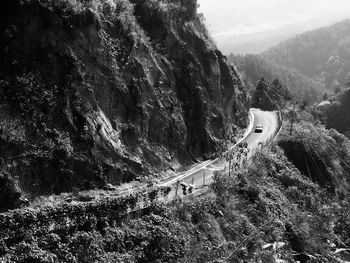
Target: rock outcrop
x=109, y=91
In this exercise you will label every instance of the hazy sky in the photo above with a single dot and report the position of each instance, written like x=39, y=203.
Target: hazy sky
x=237, y=17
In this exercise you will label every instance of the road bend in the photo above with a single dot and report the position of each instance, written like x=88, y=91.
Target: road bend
x=203, y=175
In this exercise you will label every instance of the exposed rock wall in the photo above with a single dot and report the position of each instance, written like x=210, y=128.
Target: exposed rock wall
x=109, y=91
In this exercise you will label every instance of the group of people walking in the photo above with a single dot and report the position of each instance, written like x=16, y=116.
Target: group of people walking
x=234, y=158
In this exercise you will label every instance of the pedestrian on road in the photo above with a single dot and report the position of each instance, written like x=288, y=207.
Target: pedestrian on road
x=184, y=186
x=190, y=188
x=184, y=189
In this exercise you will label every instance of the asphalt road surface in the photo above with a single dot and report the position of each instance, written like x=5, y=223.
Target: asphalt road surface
x=203, y=173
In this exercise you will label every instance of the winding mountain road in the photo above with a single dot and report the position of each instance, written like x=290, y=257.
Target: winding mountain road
x=203, y=173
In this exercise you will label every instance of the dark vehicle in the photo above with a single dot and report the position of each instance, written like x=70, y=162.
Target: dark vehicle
x=258, y=129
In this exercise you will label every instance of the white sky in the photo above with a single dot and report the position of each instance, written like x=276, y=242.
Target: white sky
x=239, y=17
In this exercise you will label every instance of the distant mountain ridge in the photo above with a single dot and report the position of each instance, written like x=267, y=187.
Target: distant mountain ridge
x=308, y=64
x=322, y=54
x=259, y=42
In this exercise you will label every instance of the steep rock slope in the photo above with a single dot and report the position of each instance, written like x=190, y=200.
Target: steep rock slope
x=109, y=91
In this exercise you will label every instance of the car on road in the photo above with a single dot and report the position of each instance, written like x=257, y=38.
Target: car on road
x=258, y=129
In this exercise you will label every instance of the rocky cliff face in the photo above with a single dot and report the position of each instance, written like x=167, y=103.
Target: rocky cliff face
x=97, y=91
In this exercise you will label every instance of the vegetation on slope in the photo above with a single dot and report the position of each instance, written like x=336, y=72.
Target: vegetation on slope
x=321, y=54
x=254, y=67
x=87, y=87
x=270, y=96
x=273, y=201
x=337, y=112
x=92, y=92
x=309, y=64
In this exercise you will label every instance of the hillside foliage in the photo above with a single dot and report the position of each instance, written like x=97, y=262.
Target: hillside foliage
x=337, y=112
x=322, y=54
x=95, y=92
x=254, y=67
x=267, y=202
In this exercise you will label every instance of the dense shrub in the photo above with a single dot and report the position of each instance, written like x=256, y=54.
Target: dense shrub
x=266, y=202
x=254, y=67
x=271, y=192
x=86, y=247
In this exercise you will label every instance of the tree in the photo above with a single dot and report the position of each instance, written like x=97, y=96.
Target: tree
x=325, y=96
x=279, y=93
x=260, y=97
x=270, y=96
x=336, y=86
